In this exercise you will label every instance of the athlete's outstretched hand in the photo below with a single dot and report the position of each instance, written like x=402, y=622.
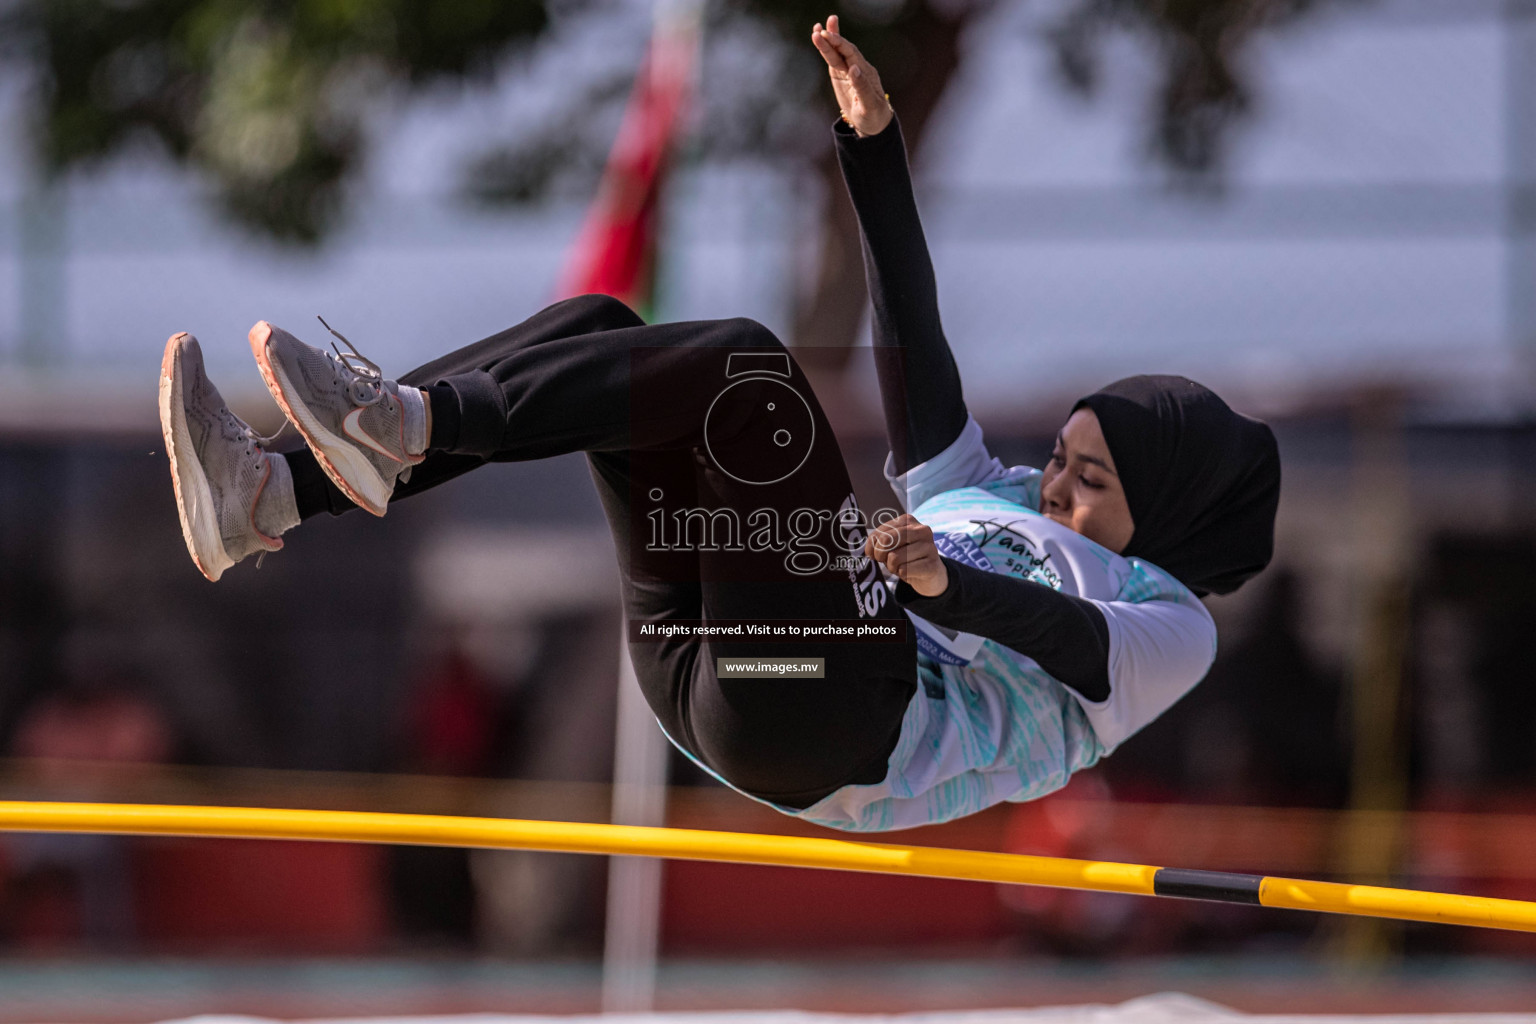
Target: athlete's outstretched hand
x=905, y=547
x=854, y=80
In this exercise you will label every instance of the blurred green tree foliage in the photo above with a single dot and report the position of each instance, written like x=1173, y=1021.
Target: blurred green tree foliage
x=268, y=97
x=271, y=97
x=1201, y=47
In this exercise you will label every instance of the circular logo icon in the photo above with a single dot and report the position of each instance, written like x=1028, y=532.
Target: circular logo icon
x=759, y=430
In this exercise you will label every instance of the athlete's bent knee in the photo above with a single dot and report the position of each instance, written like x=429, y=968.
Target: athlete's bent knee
x=748, y=333
x=607, y=312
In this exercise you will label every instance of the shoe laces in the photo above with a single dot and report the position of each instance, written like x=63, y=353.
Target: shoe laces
x=366, y=386
x=235, y=429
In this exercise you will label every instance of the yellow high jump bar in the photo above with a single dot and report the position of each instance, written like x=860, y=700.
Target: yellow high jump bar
x=748, y=848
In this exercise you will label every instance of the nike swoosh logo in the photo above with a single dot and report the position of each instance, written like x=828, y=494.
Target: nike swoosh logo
x=352, y=426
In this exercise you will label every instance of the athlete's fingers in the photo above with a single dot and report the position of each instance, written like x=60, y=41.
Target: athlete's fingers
x=866, y=84
x=917, y=554
x=917, y=562
x=903, y=522
x=911, y=528
x=897, y=548
x=849, y=52
x=827, y=50
x=929, y=577
x=884, y=525
x=885, y=560
x=927, y=565
x=905, y=519
x=865, y=79
x=884, y=546
x=898, y=532
x=907, y=554
x=919, y=570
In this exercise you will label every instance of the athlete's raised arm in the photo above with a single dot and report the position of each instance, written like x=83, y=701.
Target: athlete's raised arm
x=919, y=382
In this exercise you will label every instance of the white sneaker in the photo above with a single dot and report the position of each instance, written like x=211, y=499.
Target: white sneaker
x=349, y=414
x=218, y=467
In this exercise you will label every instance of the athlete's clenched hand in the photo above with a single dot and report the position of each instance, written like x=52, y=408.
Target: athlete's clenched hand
x=905, y=547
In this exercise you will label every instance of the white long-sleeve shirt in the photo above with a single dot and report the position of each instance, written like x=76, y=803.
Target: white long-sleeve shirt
x=999, y=727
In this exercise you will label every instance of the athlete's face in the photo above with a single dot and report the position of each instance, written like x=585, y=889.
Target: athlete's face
x=1081, y=489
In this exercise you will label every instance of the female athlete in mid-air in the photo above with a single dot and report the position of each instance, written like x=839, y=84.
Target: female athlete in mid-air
x=1041, y=616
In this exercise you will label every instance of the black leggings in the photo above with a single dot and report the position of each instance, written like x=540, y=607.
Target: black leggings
x=698, y=435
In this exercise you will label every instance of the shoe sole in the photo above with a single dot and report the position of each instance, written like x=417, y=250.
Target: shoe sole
x=194, y=498
x=336, y=455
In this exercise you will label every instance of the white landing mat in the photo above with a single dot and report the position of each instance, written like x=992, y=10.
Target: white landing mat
x=1166, y=1008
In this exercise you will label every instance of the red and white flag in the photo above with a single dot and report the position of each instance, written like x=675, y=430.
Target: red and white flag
x=615, y=253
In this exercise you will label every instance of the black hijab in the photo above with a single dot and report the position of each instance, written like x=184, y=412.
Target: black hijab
x=1202, y=481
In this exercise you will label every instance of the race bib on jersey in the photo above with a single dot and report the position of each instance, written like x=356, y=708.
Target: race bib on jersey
x=948, y=646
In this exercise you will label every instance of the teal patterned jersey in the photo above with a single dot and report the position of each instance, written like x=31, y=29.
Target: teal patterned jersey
x=995, y=726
